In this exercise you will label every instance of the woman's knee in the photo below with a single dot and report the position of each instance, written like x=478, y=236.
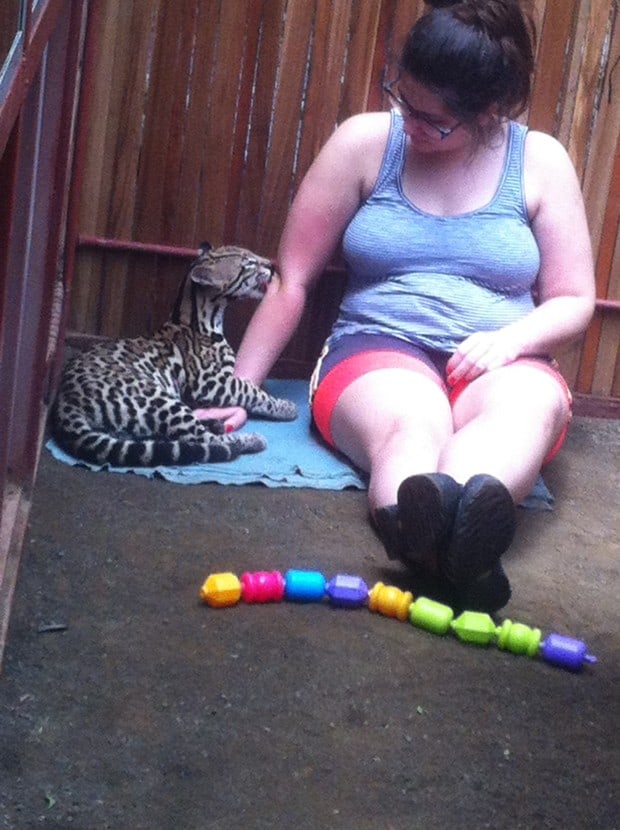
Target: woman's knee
x=517, y=392
x=380, y=415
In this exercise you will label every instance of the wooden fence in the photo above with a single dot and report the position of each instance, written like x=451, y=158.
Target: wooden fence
x=40, y=54
x=204, y=114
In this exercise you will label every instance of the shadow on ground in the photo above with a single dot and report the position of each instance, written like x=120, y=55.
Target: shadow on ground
x=126, y=703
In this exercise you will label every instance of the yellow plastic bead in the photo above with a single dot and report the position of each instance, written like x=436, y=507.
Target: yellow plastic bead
x=221, y=590
x=390, y=601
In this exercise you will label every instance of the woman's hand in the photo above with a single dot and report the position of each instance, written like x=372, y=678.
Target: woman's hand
x=233, y=417
x=481, y=352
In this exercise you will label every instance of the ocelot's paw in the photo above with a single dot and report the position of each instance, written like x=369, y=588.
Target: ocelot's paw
x=228, y=447
x=215, y=426
x=247, y=442
x=287, y=410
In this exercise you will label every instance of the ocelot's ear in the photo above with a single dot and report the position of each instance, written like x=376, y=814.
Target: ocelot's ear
x=205, y=247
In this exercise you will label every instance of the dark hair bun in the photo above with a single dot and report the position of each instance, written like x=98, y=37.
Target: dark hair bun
x=470, y=5
x=478, y=53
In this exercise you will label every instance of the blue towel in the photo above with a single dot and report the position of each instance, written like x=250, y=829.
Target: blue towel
x=295, y=457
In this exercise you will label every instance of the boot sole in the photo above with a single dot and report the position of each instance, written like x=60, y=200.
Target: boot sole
x=484, y=527
x=425, y=518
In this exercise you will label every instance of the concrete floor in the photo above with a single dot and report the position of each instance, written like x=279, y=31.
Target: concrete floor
x=147, y=709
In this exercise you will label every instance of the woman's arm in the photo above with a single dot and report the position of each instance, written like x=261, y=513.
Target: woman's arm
x=331, y=192
x=566, y=290
x=342, y=175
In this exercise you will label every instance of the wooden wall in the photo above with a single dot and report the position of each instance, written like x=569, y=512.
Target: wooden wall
x=204, y=114
x=38, y=94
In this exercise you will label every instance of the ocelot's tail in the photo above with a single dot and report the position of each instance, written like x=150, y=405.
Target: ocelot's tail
x=97, y=447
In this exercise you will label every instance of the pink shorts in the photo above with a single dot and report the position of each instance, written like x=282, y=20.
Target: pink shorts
x=326, y=391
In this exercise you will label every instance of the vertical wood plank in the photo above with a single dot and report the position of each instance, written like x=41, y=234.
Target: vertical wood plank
x=242, y=121
x=132, y=51
x=363, y=50
x=157, y=175
x=259, y=135
x=194, y=226
x=599, y=173
x=589, y=82
x=160, y=127
x=324, y=81
x=602, y=198
x=605, y=381
x=94, y=200
x=406, y=13
x=219, y=131
x=286, y=119
x=554, y=34
x=607, y=266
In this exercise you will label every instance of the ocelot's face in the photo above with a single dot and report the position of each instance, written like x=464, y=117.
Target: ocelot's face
x=233, y=272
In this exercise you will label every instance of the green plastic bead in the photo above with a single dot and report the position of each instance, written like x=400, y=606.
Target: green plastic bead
x=430, y=615
x=474, y=627
x=518, y=638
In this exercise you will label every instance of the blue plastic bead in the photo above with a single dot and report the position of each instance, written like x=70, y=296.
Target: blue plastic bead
x=347, y=591
x=304, y=586
x=566, y=652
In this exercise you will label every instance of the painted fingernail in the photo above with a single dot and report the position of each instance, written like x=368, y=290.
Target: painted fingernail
x=229, y=427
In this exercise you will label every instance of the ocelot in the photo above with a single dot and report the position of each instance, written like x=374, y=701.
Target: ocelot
x=130, y=402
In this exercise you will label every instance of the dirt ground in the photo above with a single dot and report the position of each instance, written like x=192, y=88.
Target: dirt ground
x=127, y=703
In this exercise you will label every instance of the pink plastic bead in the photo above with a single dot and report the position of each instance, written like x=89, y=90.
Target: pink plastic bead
x=262, y=586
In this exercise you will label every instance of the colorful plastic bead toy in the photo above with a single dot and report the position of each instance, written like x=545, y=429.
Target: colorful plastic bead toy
x=304, y=586
x=346, y=591
x=431, y=615
x=479, y=628
x=566, y=652
x=390, y=601
x=221, y=590
x=263, y=586
x=518, y=638
x=474, y=627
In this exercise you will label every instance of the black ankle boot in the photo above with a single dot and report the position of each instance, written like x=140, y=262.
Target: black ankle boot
x=426, y=507
x=385, y=521
x=484, y=527
x=489, y=592
x=387, y=525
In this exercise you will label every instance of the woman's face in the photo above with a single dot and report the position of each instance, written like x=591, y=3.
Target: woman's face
x=430, y=125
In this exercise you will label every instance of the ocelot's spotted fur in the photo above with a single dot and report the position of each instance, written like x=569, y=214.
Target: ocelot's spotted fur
x=129, y=402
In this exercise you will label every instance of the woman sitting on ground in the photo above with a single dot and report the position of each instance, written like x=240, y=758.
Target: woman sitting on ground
x=438, y=377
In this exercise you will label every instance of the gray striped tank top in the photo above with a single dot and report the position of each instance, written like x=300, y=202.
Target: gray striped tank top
x=434, y=280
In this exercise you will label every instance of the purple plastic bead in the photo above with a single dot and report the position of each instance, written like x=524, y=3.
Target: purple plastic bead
x=566, y=652
x=347, y=591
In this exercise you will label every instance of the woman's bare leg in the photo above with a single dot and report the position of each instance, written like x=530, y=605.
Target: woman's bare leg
x=392, y=423
x=506, y=422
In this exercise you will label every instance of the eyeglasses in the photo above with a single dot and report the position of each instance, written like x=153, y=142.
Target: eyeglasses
x=432, y=130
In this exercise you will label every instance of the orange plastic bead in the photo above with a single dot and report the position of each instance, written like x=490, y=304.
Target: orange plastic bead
x=390, y=601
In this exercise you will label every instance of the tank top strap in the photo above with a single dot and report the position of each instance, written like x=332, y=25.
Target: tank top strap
x=393, y=156
x=511, y=191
